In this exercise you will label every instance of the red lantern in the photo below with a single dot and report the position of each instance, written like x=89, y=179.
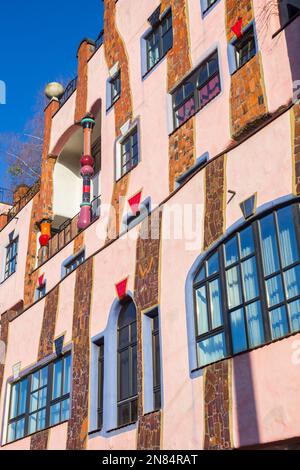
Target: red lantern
x=44, y=239
x=45, y=233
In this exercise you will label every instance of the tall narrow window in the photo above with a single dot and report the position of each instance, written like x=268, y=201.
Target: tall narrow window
x=245, y=48
x=11, y=257
x=100, y=384
x=127, y=365
x=159, y=41
x=247, y=292
x=156, y=362
x=129, y=152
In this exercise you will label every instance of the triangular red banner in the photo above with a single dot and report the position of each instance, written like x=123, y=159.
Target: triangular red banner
x=237, y=28
x=134, y=202
x=121, y=288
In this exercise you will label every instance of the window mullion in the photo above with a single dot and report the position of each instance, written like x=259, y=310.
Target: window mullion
x=49, y=393
x=27, y=409
x=226, y=322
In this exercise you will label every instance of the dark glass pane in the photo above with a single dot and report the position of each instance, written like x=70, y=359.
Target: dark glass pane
x=179, y=97
x=133, y=332
x=231, y=252
x=124, y=414
x=209, y=91
x=211, y=349
x=213, y=264
x=246, y=242
x=157, y=400
x=155, y=323
x=201, y=276
x=67, y=375
x=203, y=74
x=134, y=370
x=185, y=111
x=124, y=374
x=238, y=331
x=156, y=352
x=133, y=410
x=167, y=41
x=127, y=315
x=213, y=65
x=269, y=245
x=124, y=337
x=279, y=325
x=287, y=236
x=255, y=324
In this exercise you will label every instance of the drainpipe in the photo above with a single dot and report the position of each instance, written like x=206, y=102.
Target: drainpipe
x=87, y=171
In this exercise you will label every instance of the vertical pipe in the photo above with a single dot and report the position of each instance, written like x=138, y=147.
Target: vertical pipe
x=87, y=171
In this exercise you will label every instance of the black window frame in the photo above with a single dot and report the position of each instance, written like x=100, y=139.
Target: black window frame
x=194, y=80
x=126, y=165
x=101, y=366
x=11, y=257
x=115, y=80
x=261, y=280
x=50, y=401
x=247, y=38
x=131, y=400
x=74, y=262
x=157, y=32
x=156, y=359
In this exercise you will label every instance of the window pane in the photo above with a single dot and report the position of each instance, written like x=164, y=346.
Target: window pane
x=133, y=410
x=11, y=432
x=250, y=281
x=233, y=288
x=246, y=242
x=34, y=398
x=287, y=236
x=238, y=331
x=201, y=276
x=294, y=313
x=274, y=290
x=44, y=377
x=255, y=324
x=124, y=414
x=215, y=303
x=269, y=245
x=23, y=396
x=202, y=321
x=156, y=360
x=32, y=423
x=209, y=91
x=35, y=381
x=65, y=410
x=292, y=282
x=134, y=370
x=133, y=332
x=124, y=374
x=213, y=264
x=57, y=379
x=231, y=252
x=43, y=397
x=279, y=325
x=55, y=414
x=67, y=375
x=41, y=422
x=167, y=41
x=185, y=111
x=124, y=337
x=20, y=428
x=14, y=400
x=211, y=349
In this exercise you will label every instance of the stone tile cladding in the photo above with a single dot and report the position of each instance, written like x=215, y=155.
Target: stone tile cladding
x=217, y=406
x=39, y=441
x=247, y=92
x=78, y=423
x=41, y=206
x=182, y=140
x=115, y=52
x=296, y=145
x=146, y=295
x=217, y=377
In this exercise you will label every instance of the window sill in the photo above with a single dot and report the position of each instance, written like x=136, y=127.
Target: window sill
x=269, y=343
x=285, y=25
x=122, y=427
x=95, y=431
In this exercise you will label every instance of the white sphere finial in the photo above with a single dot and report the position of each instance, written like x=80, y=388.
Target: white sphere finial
x=54, y=90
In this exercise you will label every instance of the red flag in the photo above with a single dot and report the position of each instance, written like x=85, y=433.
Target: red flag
x=121, y=288
x=237, y=28
x=134, y=202
x=41, y=280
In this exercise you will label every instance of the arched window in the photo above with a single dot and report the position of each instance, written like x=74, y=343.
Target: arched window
x=247, y=292
x=127, y=365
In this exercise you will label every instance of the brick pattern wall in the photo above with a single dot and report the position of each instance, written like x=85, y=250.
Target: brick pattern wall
x=296, y=147
x=181, y=142
x=215, y=194
x=149, y=431
x=39, y=441
x=146, y=295
x=78, y=423
x=217, y=384
x=85, y=51
x=247, y=92
x=123, y=110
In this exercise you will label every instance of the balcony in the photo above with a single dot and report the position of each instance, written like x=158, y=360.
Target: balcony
x=66, y=233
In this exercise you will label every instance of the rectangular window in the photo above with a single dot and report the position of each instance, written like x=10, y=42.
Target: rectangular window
x=40, y=400
x=245, y=48
x=129, y=152
x=206, y=5
x=100, y=385
x=197, y=90
x=74, y=262
x=115, y=88
x=159, y=41
x=156, y=362
x=289, y=9
x=11, y=258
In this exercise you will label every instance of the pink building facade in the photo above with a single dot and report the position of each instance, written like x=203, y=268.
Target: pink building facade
x=150, y=282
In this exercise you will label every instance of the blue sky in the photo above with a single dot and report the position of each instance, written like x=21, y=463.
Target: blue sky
x=38, y=43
